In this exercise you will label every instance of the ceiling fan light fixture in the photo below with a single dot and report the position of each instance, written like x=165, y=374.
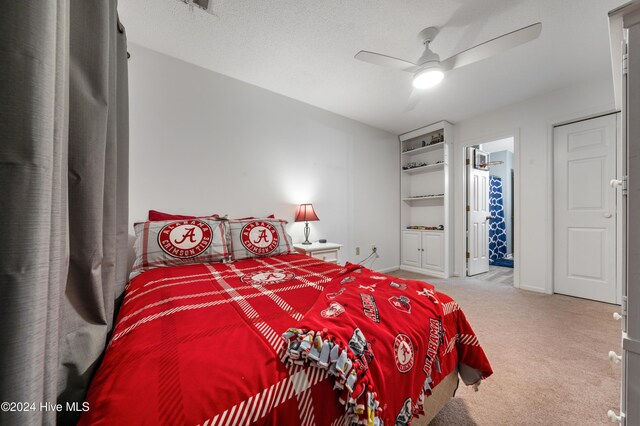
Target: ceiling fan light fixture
x=428, y=77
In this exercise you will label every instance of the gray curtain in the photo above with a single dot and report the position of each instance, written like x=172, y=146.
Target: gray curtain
x=63, y=199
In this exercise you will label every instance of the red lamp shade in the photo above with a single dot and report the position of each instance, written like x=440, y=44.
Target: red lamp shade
x=305, y=213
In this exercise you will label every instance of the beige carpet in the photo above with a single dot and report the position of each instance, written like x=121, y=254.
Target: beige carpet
x=548, y=353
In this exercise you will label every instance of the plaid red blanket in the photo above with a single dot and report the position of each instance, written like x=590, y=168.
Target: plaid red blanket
x=202, y=344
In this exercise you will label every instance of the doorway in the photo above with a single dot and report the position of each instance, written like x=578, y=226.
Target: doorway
x=490, y=194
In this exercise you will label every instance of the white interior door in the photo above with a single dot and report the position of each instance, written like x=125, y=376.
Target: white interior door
x=477, y=216
x=585, y=209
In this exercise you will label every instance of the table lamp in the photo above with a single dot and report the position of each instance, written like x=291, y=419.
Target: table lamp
x=306, y=214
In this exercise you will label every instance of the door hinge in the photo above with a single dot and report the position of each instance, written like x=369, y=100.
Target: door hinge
x=624, y=305
x=468, y=208
x=625, y=58
x=468, y=162
x=468, y=255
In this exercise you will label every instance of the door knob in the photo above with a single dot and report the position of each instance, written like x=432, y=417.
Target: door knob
x=607, y=215
x=613, y=417
x=614, y=357
x=490, y=218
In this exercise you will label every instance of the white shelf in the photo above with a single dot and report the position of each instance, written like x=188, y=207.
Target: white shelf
x=427, y=168
x=426, y=251
x=427, y=148
x=431, y=197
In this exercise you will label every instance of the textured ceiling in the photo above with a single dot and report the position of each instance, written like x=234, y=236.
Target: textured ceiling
x=304, y=49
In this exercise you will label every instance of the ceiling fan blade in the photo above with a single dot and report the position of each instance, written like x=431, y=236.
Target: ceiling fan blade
x=493, y=47
x=414, y=99
x=383, y=60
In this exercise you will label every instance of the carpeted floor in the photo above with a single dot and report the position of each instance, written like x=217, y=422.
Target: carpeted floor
x=548, y=353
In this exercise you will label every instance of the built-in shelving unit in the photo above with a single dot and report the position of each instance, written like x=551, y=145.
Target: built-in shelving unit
x=425, y=177
x=424, y=198
x=427, y=168
x=431, y=147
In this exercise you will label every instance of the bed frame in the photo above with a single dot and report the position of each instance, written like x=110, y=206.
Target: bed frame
x=442, y=394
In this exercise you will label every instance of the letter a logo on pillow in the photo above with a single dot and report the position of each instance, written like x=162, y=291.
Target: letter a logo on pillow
x=185, y=238
x=259, y=237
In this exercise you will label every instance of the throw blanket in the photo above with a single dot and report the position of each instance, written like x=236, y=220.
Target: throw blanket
x=385, y=342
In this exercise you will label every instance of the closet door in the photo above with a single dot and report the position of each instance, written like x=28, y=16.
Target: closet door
x=585, y=209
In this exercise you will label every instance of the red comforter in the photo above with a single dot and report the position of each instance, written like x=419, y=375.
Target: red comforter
x=203, y=345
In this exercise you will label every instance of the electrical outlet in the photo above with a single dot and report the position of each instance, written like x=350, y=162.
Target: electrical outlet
x=374, y=248
x=357, y=251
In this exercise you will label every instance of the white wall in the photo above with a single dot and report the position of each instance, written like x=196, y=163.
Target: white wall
x=530, y=123
x=505, y=144
x=205, y=143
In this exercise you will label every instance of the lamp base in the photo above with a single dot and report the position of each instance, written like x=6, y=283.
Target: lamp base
x=306, y=242
x=306, y=234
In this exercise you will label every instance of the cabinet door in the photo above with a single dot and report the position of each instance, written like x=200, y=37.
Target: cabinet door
x=411, y=248
x=433, y=251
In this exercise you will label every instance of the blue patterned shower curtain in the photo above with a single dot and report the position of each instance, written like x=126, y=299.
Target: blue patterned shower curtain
x=497, y=226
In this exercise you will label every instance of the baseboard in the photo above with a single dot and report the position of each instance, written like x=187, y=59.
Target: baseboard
x=390, y=269
x=422, y=271
x=534, y=289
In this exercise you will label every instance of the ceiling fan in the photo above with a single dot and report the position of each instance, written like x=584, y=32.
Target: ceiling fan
x=429, y=70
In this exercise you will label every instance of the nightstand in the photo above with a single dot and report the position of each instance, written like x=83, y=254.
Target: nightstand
x=323, y=251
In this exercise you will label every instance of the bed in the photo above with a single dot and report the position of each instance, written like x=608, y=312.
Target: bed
x=281, y=339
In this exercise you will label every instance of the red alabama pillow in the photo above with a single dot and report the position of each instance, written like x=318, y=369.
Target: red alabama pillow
x=180, y=242
x=155, y=215
x=258, y=237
